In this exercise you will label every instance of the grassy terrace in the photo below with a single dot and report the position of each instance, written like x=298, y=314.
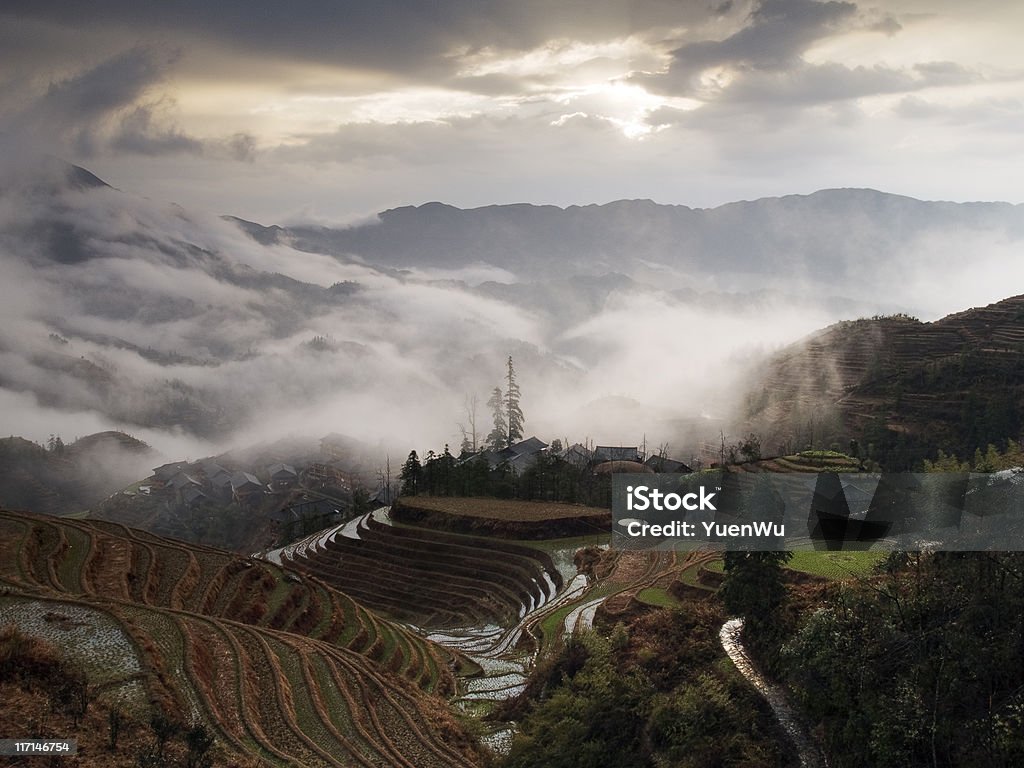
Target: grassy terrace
x=830, y=565
x=658, y=597
x=279, y=696
x=804, y=462
x=691, y=576
x=552, y=624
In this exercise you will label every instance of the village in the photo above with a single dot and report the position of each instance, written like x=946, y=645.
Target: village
x=292, y=494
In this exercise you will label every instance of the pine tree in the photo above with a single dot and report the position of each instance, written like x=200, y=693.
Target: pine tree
x=447, y=472
x=513, y=413
x=411, y=475
x=498, y=437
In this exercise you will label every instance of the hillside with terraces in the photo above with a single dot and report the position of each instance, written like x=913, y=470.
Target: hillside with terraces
x=955, y=383
x=358, y=644
x=430, y=578
x=279, y=666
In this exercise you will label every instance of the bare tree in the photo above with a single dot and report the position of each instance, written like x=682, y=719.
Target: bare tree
x=384, y=479
x=470, y=435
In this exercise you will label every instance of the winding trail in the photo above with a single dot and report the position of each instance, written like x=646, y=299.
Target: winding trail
x=809, y=755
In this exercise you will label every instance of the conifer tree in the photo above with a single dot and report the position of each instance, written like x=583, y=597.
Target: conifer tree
x=411, y=475
x=498, y=437
x=513, y=413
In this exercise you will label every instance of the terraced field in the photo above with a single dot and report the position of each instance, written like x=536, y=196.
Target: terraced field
x=806, y=462
x=98, y=558
x=497, y=602
x=915, y=376
x=427, y=577
x=280, y=666
x=834, y=566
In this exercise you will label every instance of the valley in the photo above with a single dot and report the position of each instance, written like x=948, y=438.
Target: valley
x=209, y=540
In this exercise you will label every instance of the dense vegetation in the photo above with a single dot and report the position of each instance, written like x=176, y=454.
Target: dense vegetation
x=548, y=478
x=921, y=667
x=658, y=691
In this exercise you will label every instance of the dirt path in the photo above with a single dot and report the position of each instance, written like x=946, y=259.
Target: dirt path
x=808, y=753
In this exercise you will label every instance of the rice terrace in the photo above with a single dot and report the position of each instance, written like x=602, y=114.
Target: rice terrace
x=408, y=635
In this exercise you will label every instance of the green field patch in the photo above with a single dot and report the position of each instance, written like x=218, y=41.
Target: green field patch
x=658, y=597
x=835, y=565
x=829, y=565
x=551, y=625
x=690, y=576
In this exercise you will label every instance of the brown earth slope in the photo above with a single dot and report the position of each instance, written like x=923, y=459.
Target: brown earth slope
x=279, y=667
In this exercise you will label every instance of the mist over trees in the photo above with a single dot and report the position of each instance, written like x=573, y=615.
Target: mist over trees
x=506, y=415
x=192, y=330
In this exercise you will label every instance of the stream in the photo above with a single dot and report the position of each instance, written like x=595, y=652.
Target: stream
x=808, y=753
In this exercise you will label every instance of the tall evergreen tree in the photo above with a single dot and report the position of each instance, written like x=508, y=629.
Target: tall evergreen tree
x=513, y=413
x=498, y=437
x=411, y=475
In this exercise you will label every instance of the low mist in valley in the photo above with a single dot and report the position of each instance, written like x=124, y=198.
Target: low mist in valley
x=196, y=333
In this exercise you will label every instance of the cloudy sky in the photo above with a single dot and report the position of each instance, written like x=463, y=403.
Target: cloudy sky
x=329, y=111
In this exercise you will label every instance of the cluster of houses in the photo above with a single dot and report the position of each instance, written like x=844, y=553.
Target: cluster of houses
x=602, y=459
x=311, y=491
x=188, y=486
x=191, y=485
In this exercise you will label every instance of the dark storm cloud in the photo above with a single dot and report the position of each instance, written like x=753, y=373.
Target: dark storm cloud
x=111, y=106
x=115, y=83
x=138, y=134
x=765, y=61
x=406, y=36
x=778, y=32
x=82, y=110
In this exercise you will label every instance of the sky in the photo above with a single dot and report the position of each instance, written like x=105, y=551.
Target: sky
x=332, y=111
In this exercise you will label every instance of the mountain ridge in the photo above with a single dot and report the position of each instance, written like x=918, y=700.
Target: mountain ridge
x=904, y=386
x=839, y=233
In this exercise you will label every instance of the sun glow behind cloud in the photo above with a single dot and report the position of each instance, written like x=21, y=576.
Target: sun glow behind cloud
x=561, y=58
x=752, y=97
x=624, y=105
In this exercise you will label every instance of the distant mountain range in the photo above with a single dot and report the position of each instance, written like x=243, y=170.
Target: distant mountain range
x=827, y=237
x=121, y=312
